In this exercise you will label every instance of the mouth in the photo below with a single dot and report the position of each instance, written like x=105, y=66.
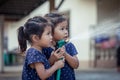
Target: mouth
x=51, y=41
x=66, y=37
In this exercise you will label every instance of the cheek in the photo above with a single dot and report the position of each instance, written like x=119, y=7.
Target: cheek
x=46, y=43
x=57, y=36
x=57, y=32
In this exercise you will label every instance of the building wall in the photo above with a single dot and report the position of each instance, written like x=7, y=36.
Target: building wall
x=83, y=14
x=13, y=26
x=108, y=11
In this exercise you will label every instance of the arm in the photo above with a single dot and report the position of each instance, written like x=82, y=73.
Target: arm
x=55, y=56
x=45, y=73
x=72, y=60
x=52, y=59
x=70, y=53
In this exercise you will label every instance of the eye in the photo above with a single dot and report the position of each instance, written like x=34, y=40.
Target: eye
x=62, y=28
x=67, y=28
x=49, y=33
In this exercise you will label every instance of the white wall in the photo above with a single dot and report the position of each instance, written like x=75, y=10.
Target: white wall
x=82, y=15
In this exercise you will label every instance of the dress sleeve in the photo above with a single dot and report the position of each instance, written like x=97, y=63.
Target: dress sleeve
x=35, y=57
x=70, y=48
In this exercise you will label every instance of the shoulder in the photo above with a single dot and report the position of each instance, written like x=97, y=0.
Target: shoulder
x=33, y=52
x=69, y=45
x=34, y=55
x=70, y=48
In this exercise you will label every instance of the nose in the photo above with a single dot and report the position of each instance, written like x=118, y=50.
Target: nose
x=51, y=37
x=66, y=31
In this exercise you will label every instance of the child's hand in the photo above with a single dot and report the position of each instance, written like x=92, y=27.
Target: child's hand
x=63, y=50
x=60, y=63
x=58, y=54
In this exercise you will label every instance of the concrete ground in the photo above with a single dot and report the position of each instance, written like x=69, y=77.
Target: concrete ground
x=80, y=75
x=98, y=75
x=10, y=76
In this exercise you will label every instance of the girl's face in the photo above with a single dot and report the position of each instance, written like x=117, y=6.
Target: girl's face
x=46, y=38
x=61, y=31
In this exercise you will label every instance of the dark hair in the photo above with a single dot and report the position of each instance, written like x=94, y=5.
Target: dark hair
x=33, y=26
x=55, y=19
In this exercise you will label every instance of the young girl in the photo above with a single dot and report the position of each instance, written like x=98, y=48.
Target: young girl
x=37, y=31
x=60, y=32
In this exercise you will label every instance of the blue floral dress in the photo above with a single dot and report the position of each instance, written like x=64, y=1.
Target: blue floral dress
x=67, y=72
x=34, y=56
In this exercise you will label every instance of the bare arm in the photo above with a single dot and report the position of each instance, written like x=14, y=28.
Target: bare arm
x=45, y=73
x=72, y=60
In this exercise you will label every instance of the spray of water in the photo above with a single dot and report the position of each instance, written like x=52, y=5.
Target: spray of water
x=99, y=29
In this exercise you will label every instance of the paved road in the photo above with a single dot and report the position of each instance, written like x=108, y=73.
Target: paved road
x=80, y=75
x=97, y=75
x=10, y=76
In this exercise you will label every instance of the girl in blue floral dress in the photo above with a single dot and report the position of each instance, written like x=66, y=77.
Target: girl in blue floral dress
x=37, y=31
x=60, y=32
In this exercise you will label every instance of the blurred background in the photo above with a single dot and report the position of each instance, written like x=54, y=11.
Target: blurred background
x=94, y=28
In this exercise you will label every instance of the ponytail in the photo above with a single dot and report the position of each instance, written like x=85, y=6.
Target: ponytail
x=22, y=39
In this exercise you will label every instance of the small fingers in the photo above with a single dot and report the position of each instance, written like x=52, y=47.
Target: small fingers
x=58, y=50
x=63, y=59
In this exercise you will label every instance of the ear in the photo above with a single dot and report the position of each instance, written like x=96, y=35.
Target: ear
x=35, y=38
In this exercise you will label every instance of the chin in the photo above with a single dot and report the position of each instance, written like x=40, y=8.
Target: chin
x=49, y=46
x=46, y=46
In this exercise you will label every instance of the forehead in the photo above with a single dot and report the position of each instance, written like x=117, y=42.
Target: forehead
x=47, y=28
x=63, y=24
